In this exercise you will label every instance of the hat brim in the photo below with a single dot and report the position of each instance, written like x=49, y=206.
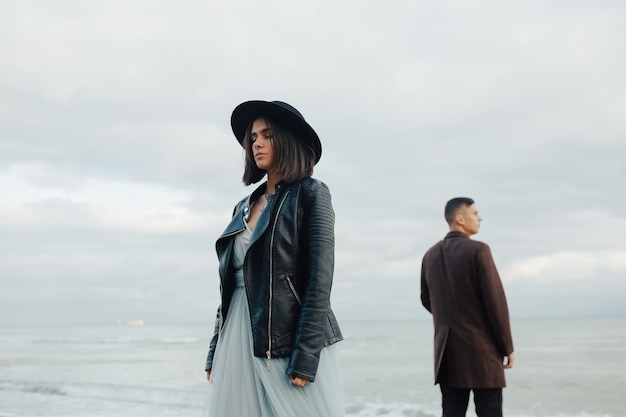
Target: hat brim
x=250, y=110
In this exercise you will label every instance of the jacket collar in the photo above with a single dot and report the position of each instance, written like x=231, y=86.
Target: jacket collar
x=261, y=189
x=264, y=219
x=242, y=212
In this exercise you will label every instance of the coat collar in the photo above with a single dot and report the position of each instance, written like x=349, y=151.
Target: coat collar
x=455, y=234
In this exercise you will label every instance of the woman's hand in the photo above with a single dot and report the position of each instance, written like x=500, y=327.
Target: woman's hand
x=296, y=380
x=208, y=375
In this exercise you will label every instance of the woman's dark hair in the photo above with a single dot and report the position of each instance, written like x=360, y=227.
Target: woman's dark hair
x=454, y=205
x=293, y=158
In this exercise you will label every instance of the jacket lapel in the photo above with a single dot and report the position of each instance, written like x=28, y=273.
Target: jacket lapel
x=261, y=226
x=237, y=223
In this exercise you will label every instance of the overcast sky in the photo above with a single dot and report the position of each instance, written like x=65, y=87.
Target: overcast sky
x=118, y=168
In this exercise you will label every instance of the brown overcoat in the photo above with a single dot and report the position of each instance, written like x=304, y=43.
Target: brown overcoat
x=461, y=287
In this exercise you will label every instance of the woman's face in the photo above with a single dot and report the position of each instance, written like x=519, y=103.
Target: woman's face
x=262, y=149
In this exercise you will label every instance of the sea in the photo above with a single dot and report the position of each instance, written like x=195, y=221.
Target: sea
x=565, y=367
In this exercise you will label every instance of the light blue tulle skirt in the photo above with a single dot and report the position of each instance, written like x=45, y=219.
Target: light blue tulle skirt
x=243, y=386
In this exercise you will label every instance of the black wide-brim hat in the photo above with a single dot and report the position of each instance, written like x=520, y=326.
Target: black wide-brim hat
x=280, y=112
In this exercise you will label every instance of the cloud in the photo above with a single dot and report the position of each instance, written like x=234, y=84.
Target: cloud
x=96, y=204
x=85, y=282
x=571, y=266
x=568, y=283
x=117, y=163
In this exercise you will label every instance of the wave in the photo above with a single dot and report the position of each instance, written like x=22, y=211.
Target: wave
x=379, y=409
x=157, y=396
x=122, y=340
x=194, y=399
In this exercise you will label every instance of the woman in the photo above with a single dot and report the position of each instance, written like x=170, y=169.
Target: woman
x=272, y=353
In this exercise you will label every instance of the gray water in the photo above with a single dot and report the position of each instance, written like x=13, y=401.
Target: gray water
x=563, y=368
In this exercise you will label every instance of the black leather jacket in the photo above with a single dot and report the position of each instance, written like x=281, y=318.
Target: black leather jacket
x=288, y=273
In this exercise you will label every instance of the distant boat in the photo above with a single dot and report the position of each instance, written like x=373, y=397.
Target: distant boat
x=135, y=322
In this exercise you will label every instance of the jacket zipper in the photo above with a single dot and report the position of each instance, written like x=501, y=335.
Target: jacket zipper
x=293, y=289
x=269, y=320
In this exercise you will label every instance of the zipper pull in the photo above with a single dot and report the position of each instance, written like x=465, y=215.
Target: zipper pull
x=269, y=356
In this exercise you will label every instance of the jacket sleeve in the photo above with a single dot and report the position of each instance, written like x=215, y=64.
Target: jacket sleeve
x=216, y=331
x=319, y=230
x=213, y=344
x=494, y=300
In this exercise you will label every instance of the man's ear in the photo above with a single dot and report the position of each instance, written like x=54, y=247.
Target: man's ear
x=459, y=219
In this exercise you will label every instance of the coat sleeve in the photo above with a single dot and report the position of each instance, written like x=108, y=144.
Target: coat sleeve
x=425, y=292
x=310, y=333
x=494, y=300
x=213, y=344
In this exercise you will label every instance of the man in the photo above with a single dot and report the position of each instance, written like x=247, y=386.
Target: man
x=461, y=287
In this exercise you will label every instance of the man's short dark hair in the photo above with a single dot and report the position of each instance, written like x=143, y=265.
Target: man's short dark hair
x=454, y=205
x=293, y=158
